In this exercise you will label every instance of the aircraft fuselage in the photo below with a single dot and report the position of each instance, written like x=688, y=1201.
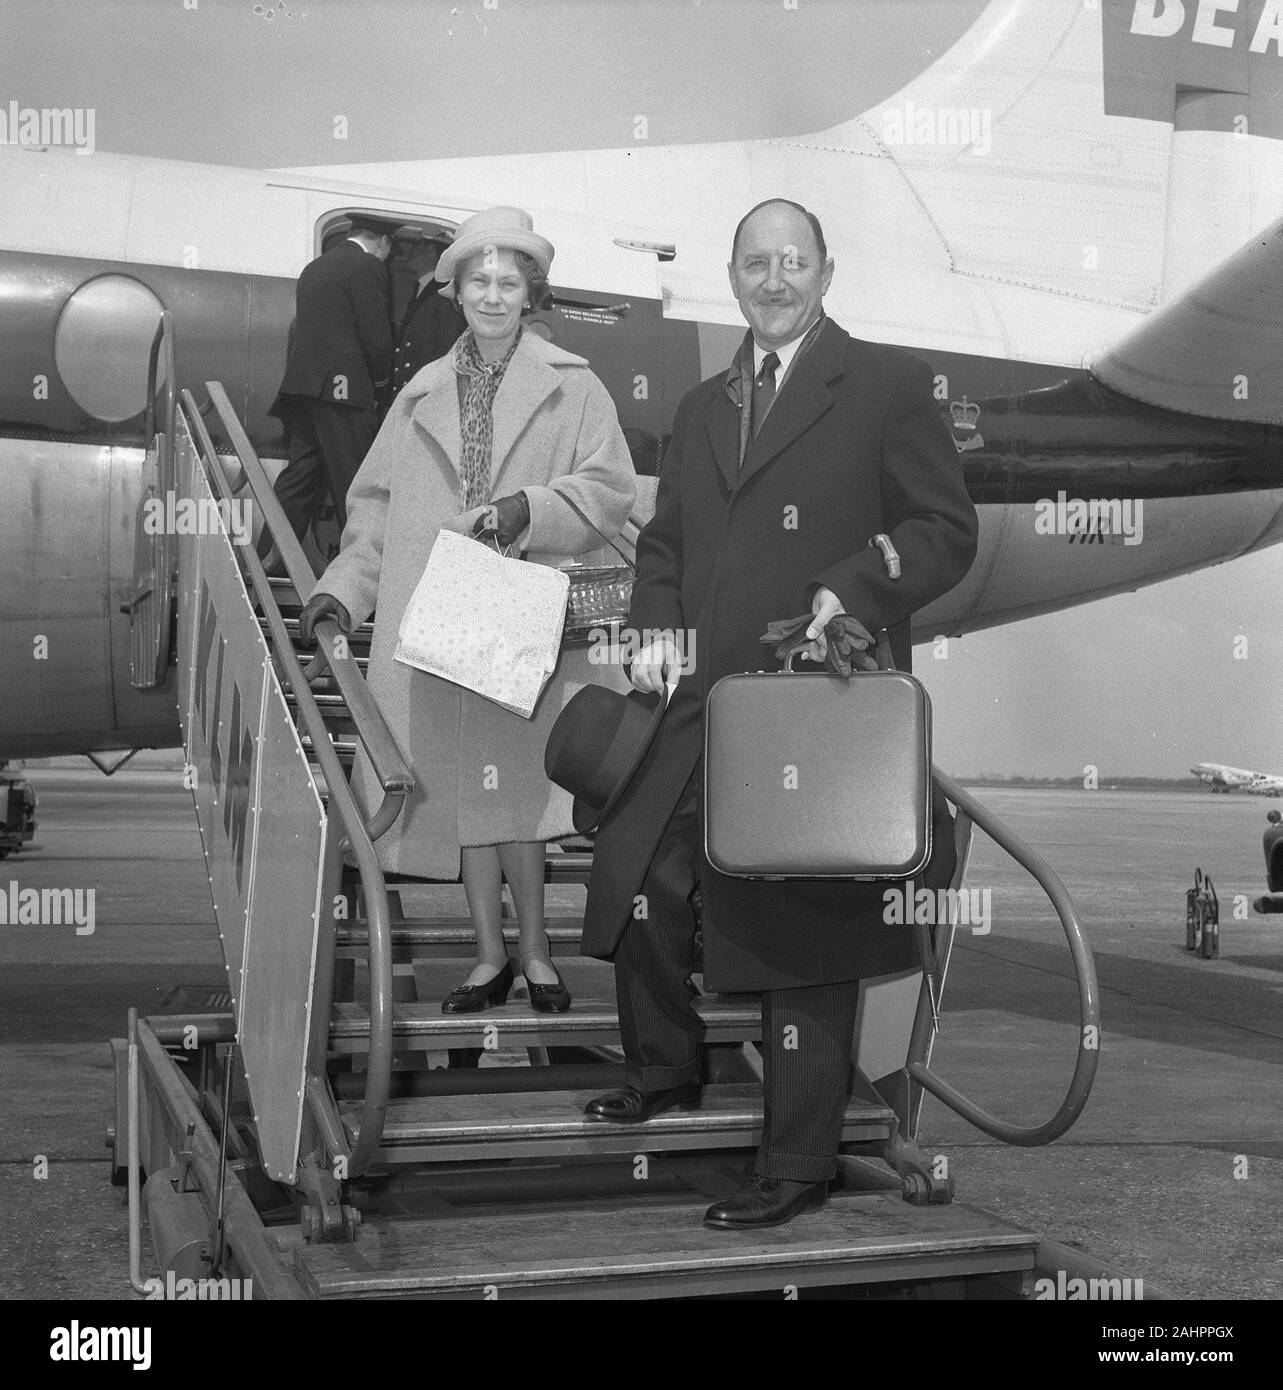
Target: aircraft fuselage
x=1082, y=492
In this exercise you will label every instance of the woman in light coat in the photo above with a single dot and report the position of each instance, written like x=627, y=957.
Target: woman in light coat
x=510, y=436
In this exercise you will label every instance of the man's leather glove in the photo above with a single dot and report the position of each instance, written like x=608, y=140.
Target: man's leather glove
x=322, y=606
x=849, y=644
x=506, y=518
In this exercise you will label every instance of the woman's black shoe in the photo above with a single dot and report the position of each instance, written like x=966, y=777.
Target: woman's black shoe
x=548, y=999
x=471, y=999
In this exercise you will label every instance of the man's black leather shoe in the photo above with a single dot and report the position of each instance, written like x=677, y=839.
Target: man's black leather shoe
x=629, y=1106
x=766, y=1202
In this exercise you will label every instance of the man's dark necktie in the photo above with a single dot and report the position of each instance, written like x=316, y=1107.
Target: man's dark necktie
x=764, y=389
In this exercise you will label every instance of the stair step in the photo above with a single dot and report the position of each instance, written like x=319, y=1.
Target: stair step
x=662, y=1249
x=283, y=590
x=591, y=1022
x=332, y=706
x=345, y=747
x=323, y=682
x=462, y=1079
x=362, y=634
x=560, y=866
x=445, y=936
x=568, y=866
x=533, y=1124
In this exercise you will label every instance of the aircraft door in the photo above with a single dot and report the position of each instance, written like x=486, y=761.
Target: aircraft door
x=151, y=604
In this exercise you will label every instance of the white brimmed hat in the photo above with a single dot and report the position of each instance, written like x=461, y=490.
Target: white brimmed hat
x=506, y=229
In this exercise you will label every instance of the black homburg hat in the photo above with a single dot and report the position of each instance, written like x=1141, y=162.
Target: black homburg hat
x=597, y=744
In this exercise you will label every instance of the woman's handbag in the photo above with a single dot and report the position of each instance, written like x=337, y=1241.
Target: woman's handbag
x=818, y=775
x=600, y=595
x=485, y=621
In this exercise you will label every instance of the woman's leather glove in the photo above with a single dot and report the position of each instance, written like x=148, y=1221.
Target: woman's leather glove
x=322, y=606
x=506, y=518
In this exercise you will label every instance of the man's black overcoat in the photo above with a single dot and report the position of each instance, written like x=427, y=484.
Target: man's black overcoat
x=854, y=445
x=341, y=346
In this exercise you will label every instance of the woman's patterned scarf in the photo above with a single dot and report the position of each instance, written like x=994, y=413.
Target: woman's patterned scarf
x=476, y=415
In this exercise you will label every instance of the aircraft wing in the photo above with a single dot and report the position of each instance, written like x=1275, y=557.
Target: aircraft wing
x=1221, y=776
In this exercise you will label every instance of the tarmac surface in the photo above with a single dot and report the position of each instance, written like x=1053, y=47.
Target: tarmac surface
x=1174, y=1173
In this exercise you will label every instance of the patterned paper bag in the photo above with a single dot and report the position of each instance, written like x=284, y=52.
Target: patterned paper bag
x=485, y=621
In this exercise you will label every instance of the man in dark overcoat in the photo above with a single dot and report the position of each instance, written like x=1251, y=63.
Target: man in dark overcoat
x=779, y=474
x=339, y=359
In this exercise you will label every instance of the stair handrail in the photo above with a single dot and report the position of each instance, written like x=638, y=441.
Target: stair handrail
x=389, y=766
x=358, y=840
x=1088, y=1054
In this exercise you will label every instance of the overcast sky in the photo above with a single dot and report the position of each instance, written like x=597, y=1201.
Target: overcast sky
x=1142, y=684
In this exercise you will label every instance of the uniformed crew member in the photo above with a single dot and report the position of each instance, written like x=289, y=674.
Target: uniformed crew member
x=340, y=358
x=431, y=323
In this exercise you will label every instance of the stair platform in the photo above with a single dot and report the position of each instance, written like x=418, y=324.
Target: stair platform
x=535, y=1124
x=660, y=1248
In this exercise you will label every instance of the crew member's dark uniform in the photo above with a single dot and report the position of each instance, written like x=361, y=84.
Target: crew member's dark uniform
x=429, y=328
x=340, y=354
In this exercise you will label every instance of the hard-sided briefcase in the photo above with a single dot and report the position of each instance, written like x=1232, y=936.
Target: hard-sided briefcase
x=814, y=775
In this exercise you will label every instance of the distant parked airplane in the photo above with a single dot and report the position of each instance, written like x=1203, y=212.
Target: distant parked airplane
x=1227, y=779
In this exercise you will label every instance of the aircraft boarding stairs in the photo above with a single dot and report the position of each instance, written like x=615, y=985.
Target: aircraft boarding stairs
x=361, y=1143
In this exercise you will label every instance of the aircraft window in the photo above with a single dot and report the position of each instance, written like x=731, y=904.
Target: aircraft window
x=102, y=343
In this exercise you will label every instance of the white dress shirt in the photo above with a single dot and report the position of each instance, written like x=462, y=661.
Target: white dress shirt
x=786, y=354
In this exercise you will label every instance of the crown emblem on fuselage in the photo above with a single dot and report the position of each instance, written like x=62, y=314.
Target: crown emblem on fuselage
x=966, y=416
